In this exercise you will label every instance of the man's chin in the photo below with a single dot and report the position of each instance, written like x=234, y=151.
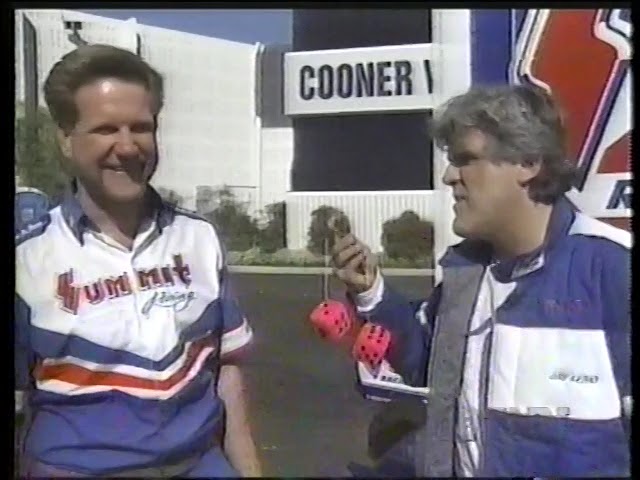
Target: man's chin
x=464, y=229
x=126, y=195
x=459, y=229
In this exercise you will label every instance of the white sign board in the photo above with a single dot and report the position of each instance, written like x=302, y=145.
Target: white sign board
x=358, y=80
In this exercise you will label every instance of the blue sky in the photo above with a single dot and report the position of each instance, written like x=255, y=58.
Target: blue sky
x=247, y=25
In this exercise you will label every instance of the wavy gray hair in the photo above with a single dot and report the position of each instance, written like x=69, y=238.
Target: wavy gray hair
x=524, y=126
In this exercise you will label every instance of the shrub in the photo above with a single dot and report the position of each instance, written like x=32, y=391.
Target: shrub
x=303, y=258
x=237, y=230
x=39, y=162
x=205, y=199
x=408, y=237
x=273, y=236
x=420, y=262
x=171, y=196
x=253, y=256
x=319, y=231
x=281, y=258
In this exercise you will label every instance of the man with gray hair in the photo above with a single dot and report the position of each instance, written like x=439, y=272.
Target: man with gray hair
x=525, y=344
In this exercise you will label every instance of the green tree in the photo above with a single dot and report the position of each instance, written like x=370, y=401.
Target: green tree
x=408, y=237
x=39, y=162
x=273, y=236
x=170, y=196
x=239, y=232
x=205, y=198
x=319, y=230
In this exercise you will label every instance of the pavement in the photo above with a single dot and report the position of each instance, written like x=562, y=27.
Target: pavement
x=388, y=272
x=308, y=419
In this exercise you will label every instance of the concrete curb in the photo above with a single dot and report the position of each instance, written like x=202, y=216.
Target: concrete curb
x=391, y=272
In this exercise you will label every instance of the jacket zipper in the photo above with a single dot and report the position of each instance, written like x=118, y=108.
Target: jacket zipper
x=419, y=450
x=436, y=324
x=484, y=386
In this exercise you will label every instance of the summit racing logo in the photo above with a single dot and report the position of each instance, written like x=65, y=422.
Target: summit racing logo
x=583, y=58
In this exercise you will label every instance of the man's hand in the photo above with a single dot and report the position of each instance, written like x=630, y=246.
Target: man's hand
x=354, y=264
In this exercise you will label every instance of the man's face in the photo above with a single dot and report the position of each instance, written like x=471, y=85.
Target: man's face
x=112, y=148
x=486, y=192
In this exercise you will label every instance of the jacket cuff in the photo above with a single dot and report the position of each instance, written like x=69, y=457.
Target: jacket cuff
x=369, y=300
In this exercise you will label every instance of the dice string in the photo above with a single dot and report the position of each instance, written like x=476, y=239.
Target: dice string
x=325, y=273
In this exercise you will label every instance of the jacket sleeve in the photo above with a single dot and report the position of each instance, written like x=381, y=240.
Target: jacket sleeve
x=237, y=332
x=616, y=295
x=410, y=324
x=21, y=350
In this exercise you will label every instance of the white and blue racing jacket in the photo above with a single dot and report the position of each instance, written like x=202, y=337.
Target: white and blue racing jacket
x=119, y=350
x=527, y=362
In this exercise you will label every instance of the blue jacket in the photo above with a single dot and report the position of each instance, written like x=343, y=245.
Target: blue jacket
x=552, y=383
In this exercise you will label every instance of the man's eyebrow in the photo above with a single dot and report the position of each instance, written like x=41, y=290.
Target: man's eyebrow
x=463, y=155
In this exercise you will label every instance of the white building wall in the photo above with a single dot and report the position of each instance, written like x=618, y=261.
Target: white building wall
x=18, y=47
x=208, y=134
x=207, y=131
x=53, y=42
x=276, y=153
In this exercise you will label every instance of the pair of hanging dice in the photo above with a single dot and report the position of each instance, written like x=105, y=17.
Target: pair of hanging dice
x=333, y=320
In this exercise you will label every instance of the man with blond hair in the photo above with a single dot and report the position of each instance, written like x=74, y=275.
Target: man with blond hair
x=127, y=331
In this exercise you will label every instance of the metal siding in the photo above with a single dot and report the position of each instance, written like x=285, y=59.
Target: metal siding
x=367, y=212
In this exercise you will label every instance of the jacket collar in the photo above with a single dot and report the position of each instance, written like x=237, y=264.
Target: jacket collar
x=472, y=252
x=78, y=221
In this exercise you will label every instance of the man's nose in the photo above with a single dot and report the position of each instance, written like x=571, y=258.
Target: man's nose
x=125, y=144
x=451, y=175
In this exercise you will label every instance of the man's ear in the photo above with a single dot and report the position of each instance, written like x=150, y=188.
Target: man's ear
x=527, y=172
x=64, y=141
